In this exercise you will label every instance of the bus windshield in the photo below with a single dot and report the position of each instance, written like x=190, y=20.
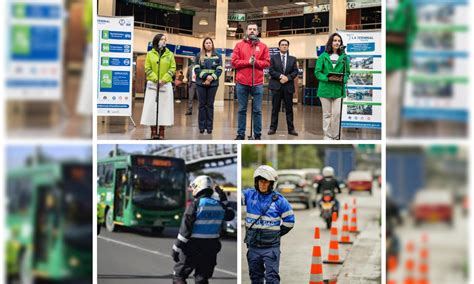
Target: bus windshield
x=158, y=188
x=77, y=205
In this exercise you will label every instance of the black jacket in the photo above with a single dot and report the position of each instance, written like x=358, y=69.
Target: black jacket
x=276, y=69
x=328, y=183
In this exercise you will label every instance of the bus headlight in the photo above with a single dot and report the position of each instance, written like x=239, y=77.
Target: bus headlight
x=176, y=217
x=74, y=262
x=139, y=216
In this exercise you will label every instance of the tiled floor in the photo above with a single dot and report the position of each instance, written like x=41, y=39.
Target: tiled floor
x=307, y=120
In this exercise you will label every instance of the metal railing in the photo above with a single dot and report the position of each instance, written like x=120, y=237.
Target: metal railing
x=173, y=30
x=372, y=26
x=300, y=31
x=273, y=33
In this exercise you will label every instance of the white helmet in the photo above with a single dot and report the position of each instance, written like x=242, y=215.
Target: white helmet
x=201, y=183
x=328, y=172
x=268, y=173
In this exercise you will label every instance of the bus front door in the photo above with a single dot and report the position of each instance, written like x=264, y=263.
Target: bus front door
x=119, y=200
x=46, y=224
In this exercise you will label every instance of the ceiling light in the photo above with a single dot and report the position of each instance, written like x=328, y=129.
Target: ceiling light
x=301, y=3
x=203, y=22
x=177, y=6
x=265, y=10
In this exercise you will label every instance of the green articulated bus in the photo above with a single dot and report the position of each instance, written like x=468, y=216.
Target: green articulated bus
x=142, y=191
x=49, y=223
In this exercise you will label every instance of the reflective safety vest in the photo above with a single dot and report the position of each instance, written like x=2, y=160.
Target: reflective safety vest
x=275, y=222
x=212, y=66
x=209, y=217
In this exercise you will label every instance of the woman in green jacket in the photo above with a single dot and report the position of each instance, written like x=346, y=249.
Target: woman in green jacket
x=167, y=68
x=329, y=70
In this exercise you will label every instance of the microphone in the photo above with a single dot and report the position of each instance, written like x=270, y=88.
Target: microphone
x=253, y=38
x=342, y=47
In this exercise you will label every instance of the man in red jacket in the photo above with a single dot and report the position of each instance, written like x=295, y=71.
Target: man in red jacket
x=247, y=53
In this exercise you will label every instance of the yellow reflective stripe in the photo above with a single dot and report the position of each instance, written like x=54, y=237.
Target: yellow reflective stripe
x=219, y=68
x=196, y=66
x=214, y=76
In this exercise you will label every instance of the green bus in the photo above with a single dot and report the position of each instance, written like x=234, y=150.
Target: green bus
x=141, y=191
x=49, y=223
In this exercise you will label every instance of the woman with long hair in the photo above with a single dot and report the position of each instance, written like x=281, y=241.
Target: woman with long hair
x=160, y=67
x=208, y=69
x=332, y=71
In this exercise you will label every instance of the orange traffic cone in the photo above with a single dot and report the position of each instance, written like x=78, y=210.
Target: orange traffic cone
x=345, y=236
x=410, y=265
x=353, y=227
x=423, y=266
x=316, y=276
x=333, y=255
x=392, y=267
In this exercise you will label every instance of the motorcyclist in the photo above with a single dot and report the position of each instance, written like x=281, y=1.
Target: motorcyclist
x=198, y=242
x=329, y=183
x=393, y=218
x=269, y=216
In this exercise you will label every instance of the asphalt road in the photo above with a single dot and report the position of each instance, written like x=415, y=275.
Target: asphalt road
x=363, y=266
x=135, y=256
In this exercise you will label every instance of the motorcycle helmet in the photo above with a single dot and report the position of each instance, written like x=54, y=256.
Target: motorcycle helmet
x=201, y=184
x=267, y=173
x=328, y=172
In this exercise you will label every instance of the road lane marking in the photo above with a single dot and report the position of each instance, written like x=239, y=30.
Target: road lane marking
x=156, y=253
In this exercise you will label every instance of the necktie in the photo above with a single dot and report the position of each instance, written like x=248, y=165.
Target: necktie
x=283, y=62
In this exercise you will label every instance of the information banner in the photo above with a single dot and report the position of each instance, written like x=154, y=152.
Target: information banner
x=438, y=81
x=115, y=50
x=34, y=57
x=362, y=107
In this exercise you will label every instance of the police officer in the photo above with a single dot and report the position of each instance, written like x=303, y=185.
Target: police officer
x=329, y=183
x=198, y=242
x=269, y=217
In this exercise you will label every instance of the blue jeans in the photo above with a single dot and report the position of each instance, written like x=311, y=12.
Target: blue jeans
x=243, y=93
x=264, y=263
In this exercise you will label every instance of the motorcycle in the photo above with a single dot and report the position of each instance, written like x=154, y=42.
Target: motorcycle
x=328, y=206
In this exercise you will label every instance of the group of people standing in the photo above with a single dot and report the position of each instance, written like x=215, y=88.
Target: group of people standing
x=249, y=58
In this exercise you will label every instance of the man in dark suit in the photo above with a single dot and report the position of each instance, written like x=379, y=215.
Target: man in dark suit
x=283, y=70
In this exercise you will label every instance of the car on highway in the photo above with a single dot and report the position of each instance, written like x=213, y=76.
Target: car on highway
x=433, y=206
x=313, y=174
x=359, y=181
x=294, y=186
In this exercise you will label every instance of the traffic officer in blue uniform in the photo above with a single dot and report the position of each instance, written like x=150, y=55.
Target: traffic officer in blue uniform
x=198, y=242
x=269, y=217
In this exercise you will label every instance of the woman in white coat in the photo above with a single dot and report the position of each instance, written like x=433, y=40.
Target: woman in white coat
x=160, y=67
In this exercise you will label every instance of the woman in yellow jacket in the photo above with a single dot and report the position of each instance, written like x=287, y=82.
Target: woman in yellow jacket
x=159, y=59
x=332, y=85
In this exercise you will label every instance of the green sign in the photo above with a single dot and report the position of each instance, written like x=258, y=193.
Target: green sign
x=366, y=147
x=105, y=61
x=105, y=34
x=441, y=150
x=105, y=47
x=19, y=10
x=236, y=17
x=106, y=79
x=160, y=6
x=21, y=40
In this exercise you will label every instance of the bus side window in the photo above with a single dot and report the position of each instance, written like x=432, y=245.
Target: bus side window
x=109, y=175
x=100, y=175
